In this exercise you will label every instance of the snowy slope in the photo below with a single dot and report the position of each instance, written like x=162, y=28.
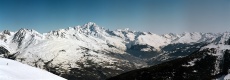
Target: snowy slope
x=12, y=70
x=227, y=77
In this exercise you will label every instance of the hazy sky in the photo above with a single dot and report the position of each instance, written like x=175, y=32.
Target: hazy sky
x=157, y=16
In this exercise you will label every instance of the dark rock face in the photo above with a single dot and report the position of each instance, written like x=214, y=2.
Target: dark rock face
x=19, y=36
x=199, y=65
x=4, y=52
x=226, y=62
x=227, y=42
x=6, y=32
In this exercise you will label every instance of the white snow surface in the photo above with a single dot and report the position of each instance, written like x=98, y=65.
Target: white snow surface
x=227, y=77
x=191, y=63
x=13, y=70
x=224, y=77
x=220, y=48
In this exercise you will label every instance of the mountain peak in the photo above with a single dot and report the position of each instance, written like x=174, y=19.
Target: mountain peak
x=24, y=35
x=24, y=30
x=90, y=24
x=6, y=32
x=92, y=27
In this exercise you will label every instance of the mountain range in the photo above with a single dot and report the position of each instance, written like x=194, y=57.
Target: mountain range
x=90, y=52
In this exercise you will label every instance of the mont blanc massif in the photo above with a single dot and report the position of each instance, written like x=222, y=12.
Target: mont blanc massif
x=90, y=52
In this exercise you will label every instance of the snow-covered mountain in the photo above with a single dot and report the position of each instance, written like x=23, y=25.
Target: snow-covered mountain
x=92, y=52
x=209, y=62
x=13, y=70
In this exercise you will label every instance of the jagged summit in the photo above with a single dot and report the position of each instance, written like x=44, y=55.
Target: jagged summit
x=92, y=27
x=6, y=32
x=89, y=24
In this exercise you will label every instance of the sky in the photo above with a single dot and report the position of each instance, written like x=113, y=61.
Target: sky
x=156, y=16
